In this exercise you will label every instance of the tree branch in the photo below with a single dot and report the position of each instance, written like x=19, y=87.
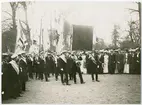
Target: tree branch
x=6, y=19
x=133, y=10
x=11, y=4
x=7, y=13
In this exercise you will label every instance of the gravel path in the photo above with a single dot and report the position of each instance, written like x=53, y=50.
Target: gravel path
x=112, y=89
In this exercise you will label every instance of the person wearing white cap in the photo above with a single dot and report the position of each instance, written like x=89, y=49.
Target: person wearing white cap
x=13, y=77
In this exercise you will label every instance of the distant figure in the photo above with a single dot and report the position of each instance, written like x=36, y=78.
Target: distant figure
x=138, y=61
x=112, y=63
x=82, y=66
x=120, y=62
x=126, y=63
x=106, y=63
x=101, y=64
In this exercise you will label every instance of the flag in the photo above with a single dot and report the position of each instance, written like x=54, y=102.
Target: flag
x=60, y=44
x=22, y=37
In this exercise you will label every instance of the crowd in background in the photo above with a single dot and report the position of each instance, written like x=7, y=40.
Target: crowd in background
x=18, y=68
x=119, y=61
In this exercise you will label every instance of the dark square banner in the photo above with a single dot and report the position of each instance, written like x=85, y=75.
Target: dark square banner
x=82, y=37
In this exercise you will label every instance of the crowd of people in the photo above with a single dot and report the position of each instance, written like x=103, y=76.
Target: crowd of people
x=19, y=67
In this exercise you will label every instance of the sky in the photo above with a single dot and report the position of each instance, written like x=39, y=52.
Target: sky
x=101, y=15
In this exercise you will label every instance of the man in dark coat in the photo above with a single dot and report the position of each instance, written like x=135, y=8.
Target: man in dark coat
x=138, y=61
x=62, y=67
x=23, y=71
x=97, y=66
x=30, y=66
x=46, y=70
x=101, y=61
x=13, y=87
x=5, y=79
x=120, y=62
x=112, y=62
x=76, y=69
x=36, y=66
x=69, y=66
x=87, y=63
x=41, y=67
x=50, y=64
x=131, y=59
x=47, y=65
x=92, y=66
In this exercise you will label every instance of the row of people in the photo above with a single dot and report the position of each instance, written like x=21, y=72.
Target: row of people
x=14, y=75
x=114, y=62
x=120, y=62
x=17, y=68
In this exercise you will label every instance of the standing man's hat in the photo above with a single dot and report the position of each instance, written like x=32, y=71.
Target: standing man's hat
x=21, y=52
x=14, y=55
x=4, y=54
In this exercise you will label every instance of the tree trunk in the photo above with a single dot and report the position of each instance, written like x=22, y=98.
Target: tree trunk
x=28, y=30
x=14, y=26
x=14, y=19
x=139, y=8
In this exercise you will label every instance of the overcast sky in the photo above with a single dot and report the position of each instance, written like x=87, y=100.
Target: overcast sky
x=101, y=15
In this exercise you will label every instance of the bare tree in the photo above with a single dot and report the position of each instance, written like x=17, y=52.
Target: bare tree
x=100, y=44
x=115, y=36
x=133, y=32
x=14, y=6
x=9, y=29
x=139, y=12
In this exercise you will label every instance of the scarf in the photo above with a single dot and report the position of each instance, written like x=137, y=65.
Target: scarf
x=63, y=58
x=24, y=59
x=15, y=66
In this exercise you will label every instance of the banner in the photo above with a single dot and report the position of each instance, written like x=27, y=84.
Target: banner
x=82, y=37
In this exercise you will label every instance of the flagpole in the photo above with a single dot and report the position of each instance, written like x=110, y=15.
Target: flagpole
x=16, y=37
x=40, y=36
x=42, y=40
x=51, y=29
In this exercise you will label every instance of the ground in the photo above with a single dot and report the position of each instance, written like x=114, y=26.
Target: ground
x=112, y=89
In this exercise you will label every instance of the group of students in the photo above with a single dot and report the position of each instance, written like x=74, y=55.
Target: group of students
x=14, y=75
x=18, y=68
